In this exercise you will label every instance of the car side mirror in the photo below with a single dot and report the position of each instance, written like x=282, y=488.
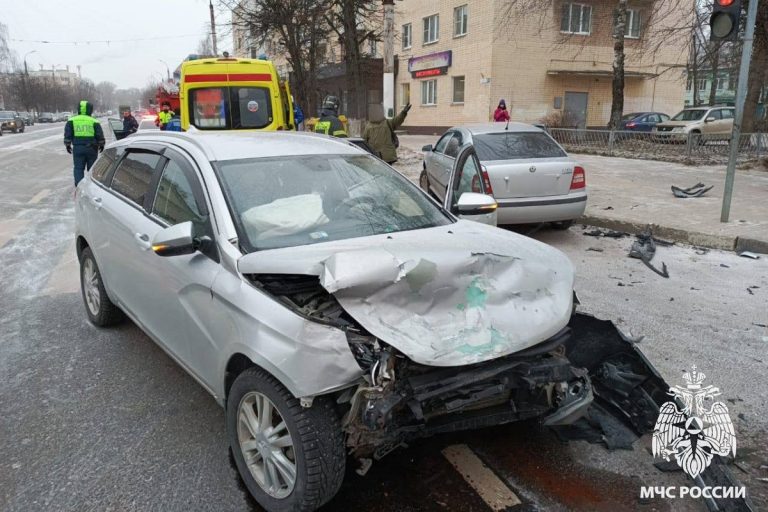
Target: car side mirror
x=175, y=240
x=472, y=203
x=710, y=119
x=427, y=148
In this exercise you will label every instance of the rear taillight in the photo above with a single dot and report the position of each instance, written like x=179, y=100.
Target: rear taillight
x=578, y=180
x=486, y=181
x=631, y=125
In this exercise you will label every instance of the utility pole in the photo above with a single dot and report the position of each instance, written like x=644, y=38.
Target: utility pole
x=389, y=58
x=213, y=27
x=741, y=96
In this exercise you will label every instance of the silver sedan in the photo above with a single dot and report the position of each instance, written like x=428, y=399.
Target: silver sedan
x=531, y=177
x=325, y=301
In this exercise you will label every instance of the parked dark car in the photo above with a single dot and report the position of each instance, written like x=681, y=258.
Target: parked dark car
x=642, y=121
x=45, y=117
x=28, y=117
x=11, y=121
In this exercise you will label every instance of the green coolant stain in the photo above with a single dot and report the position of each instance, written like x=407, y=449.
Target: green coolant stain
x=496, y=339
x=476, y=296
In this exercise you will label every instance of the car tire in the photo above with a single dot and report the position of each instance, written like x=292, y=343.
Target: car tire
x=562, y=225
x=22, y=130
x=316, y=455
x=14, y=130
x=424, y=181
x=101, y=311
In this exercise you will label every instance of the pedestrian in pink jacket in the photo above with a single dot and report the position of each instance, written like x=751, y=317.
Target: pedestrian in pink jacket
x=501, y=115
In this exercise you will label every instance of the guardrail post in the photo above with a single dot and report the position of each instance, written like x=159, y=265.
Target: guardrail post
x=611, y=137
x=759, y=142
x=689, y=145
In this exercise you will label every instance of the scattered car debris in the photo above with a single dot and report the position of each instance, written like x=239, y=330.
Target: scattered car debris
x=595, y=249
x=750, y=291
x=644, y=249
x=760, y=325
x=750, y=255
x=724, y=265
x=608, y=208
x=697, y=190
x=701, y=251
x=608, y=233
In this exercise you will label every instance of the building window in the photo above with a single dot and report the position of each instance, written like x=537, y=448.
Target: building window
x=633, y=24
x=460, y=20
x=458, y=89
x=577, y=19
x=429, y=92
x=431, y=29
x=405, y=94
x=702, y=84
x=407, y=36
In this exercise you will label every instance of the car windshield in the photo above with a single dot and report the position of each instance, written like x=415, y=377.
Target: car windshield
x=300, y=200
x=516, y=145
x=689, y=115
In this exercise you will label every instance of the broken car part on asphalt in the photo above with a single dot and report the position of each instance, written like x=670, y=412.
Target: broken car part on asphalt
x=644, y=248
x=750, y=255
x=608, y=233
x=697, y=190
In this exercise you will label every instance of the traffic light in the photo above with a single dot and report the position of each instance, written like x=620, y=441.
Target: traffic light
x=724, y=22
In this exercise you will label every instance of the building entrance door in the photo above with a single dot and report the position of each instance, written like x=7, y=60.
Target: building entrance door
x=576, y=109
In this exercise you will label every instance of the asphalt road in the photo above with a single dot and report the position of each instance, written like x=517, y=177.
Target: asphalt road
x=103, y=420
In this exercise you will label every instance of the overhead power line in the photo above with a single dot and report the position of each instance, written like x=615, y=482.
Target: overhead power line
x=107, y=41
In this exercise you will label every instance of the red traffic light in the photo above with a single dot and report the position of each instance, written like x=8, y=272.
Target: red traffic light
x=724, y=3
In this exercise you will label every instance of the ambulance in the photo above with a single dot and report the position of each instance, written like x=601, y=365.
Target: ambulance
x=234, y=94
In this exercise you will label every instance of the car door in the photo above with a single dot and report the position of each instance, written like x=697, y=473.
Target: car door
x=726, y=124
x=711, y=121
x=651, y=120
x=466, y=176
x=435, y=163
x=180, y=293
x=117, y=128
x=445, y=162
x=122, y=241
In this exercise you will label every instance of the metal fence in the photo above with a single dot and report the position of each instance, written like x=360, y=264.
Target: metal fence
x=695, y=148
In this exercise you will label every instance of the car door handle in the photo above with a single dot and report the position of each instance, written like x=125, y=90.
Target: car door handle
x=96, y=201
x=143, y=240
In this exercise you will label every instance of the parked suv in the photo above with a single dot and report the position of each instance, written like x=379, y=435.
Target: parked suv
x=11, y=121
x=706, y=123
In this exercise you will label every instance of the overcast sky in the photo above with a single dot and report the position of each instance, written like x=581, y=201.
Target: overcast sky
x=127, y=64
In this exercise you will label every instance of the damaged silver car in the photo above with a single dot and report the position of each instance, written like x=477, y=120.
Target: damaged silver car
x=335, y=309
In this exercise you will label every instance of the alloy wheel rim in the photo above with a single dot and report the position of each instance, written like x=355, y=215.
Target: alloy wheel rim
x=91, y=287
x=266, y=445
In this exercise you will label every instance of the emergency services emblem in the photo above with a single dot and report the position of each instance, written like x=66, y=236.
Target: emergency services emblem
x=697, y=432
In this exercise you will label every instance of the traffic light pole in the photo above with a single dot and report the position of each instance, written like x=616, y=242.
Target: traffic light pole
x=741, y=96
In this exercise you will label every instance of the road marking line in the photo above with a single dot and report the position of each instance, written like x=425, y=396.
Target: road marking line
x=495, y=493
x=65, y=277
x=39, y=196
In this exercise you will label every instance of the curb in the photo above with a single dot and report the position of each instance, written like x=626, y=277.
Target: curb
x=724, y=242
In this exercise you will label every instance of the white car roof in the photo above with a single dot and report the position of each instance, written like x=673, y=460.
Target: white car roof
x=498, y=128
x=234, y=145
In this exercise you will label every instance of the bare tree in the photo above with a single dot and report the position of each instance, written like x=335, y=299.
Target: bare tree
x=617, y=86
x=757, y=84
x=353, y=21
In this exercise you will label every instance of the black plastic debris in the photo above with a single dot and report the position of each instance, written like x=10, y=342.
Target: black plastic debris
x=644, y=249
x=697, y=190
x=608, y=233
x=724, y=265
x=594, y=249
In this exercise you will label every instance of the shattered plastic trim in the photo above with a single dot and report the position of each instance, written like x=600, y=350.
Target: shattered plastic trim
x=444, y=296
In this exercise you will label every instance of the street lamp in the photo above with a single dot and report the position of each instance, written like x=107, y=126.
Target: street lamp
x=26, y=72
x=167, y=69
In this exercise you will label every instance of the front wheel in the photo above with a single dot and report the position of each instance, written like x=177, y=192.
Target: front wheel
x=101, y=311
x=290, y=457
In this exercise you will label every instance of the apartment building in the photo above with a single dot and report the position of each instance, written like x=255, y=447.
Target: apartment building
x=457, y=58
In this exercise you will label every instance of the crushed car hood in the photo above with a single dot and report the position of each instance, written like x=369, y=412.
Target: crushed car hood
x=444, y=296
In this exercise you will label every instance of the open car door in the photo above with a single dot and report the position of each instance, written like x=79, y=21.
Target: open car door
x=287, y=102
x=117, y=128
x=467, y=196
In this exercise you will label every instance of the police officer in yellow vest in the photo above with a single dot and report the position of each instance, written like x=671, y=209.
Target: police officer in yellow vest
x=84, y=139
x=164, y=116
x=329, y=122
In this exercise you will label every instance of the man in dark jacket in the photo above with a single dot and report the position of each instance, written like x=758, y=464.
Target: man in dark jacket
x=84, y=139
x=130, y=125
x=379, y=132
x=329, y=123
